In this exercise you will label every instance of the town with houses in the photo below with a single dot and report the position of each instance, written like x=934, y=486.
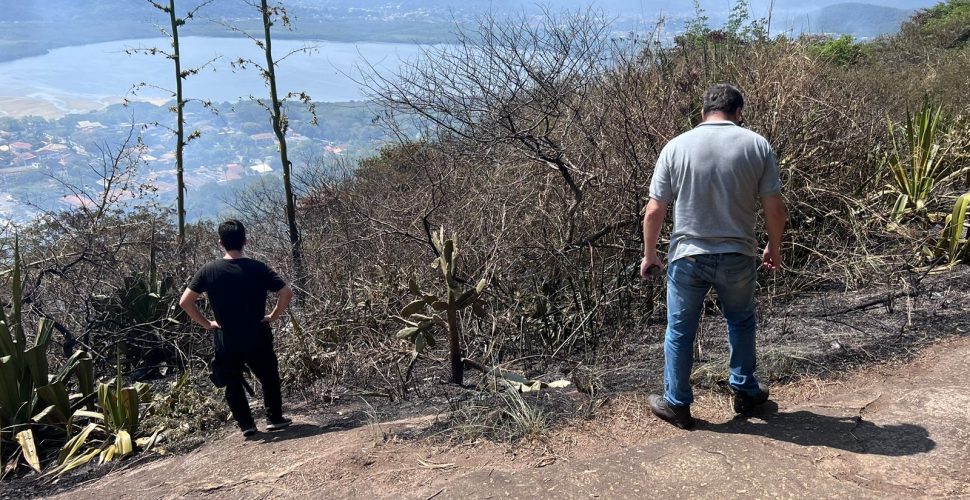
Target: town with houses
x=45, y=164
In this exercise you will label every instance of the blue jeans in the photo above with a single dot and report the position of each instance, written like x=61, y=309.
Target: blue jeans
x=689, y=279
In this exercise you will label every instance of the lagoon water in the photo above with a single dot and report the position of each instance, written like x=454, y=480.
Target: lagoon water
x=81, y=78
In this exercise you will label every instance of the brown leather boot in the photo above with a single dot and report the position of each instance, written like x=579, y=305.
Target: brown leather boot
x=745, y=404
x=677, y=415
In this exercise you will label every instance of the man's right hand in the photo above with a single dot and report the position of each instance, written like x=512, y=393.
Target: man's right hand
x=772, y=257
x=649, y=261
x=213, y=326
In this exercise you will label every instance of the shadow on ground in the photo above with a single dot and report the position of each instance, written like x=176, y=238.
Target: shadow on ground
x=300, y=430
x=850, y=433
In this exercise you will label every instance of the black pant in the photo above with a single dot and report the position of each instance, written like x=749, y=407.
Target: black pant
x=263, y=364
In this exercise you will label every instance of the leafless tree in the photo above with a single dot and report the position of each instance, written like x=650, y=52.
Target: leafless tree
x=513, y=84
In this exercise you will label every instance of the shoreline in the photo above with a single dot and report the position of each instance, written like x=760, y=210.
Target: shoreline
x=18, y=107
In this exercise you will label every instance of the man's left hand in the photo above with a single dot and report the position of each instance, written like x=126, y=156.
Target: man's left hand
x=771, y=258
x=269, y=318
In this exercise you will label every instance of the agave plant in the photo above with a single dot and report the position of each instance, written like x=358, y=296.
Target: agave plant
x=32, y=399
x=430, y=312
x=110, y=433
x=141, y=307
x=917, y=161
x=39, y=409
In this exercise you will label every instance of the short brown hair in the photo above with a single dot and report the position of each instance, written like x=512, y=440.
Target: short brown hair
x=724, y=98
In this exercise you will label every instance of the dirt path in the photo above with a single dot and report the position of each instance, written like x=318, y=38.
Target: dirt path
x=892, y=431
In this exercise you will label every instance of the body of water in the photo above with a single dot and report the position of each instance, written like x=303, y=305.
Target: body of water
x=86, y=77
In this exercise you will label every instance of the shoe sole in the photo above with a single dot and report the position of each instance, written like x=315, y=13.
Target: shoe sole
x=276, y=427
x=250, y=432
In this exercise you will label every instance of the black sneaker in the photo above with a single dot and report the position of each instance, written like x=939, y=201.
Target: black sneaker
x=249, y=431
x=273, y=424
x=677, y=415
x=746, y=403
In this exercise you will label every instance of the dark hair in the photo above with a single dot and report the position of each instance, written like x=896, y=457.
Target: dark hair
x=232, y=233
x=724, y=98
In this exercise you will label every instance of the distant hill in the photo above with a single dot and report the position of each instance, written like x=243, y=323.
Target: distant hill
x=815, y=5
x=861, y=20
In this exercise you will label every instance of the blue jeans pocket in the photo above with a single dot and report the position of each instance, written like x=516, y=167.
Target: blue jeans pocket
x=682, y=270
x=739, y=268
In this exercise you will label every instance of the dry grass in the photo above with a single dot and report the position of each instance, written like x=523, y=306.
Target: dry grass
x=546, y=194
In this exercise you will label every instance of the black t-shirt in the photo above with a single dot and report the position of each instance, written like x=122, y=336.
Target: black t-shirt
x=237, y=290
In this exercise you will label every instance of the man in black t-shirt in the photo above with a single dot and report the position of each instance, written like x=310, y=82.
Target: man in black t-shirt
x=237, y=288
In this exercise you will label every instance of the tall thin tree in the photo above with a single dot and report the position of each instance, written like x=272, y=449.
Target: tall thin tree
x=175, y=55
x=277, y=111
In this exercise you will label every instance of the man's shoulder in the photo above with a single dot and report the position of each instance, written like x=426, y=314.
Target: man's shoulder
x=253, y=263
x=754, y=136
x=684, y=139
x=208, y=266
x=215, y=264
x=743, y=138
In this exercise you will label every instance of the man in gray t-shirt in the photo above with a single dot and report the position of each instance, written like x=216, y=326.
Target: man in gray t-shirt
x=714, y=175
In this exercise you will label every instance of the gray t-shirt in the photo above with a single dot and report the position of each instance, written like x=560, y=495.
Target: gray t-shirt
x=714, y=175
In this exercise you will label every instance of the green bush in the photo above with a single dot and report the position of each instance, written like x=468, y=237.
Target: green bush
x=841, y=51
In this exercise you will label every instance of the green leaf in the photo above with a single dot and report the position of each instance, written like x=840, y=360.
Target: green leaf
x=466, y=298
x=478, y=308
x=420, y=342
x=45, y=328
x=406, y=333
x=956, y=244
x=48, y=415
x=74, y=445
x=7, y=346
x=129, y=399
x=413, y=307
x=56, y=395
x=77, y=462
x=35, y=360
x=144, y=392
x=85, y=374
x=111, y=405
x=11, y=404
